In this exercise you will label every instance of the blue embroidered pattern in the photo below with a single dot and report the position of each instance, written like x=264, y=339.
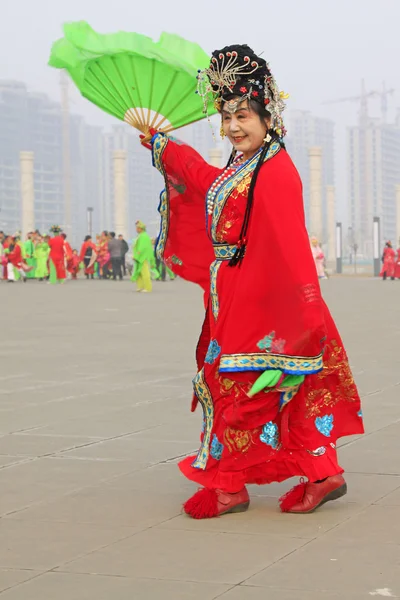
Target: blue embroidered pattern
x=360, y=414
x=318, y=451
x=291, y=365
x=216, y=448
x=213, y=352
x=324, y=424
x=270, y=435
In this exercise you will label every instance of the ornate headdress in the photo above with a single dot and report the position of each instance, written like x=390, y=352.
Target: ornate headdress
x=55, y=229
x=238, y=71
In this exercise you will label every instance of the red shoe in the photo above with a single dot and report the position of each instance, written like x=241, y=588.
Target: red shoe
x=206, y=503
x=307, y=497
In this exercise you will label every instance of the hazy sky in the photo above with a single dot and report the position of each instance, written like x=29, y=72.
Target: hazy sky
x=318, y=49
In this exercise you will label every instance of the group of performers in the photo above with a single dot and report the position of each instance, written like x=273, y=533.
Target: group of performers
x=390, y=262
x=51, y=258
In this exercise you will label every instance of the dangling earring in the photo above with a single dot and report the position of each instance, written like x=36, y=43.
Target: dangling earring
x=222, y=132
x=267, y=138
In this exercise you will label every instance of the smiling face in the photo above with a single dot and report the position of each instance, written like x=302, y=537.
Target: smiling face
x=243, y=126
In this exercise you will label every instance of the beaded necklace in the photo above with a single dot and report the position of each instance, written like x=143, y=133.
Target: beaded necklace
x=225, y=175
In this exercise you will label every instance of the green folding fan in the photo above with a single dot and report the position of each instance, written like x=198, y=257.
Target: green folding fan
x=144, y=83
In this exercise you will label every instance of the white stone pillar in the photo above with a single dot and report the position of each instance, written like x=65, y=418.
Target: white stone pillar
x=27, y=192
x=331, y=222
x=397, y=243
x=120, y=203
x=315, y=224
x=215, y=157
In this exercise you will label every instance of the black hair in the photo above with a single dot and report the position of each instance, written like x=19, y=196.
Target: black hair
x=112, y=233
x=87, y=237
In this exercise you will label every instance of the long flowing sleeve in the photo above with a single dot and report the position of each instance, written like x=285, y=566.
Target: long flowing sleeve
x=183, y=243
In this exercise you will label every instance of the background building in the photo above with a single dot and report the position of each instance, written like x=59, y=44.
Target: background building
x=306, y=131
x=373, y=172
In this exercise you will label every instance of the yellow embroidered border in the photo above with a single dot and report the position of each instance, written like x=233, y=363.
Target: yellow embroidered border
x=292, y=365
x=204, y=395
x=214, y=268
x=224, y=251
x=227, y=188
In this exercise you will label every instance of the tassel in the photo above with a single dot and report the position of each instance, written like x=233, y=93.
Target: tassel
x=203, y=505
x=293, y=496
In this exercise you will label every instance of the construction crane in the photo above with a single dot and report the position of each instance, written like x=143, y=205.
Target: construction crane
x=363, y=99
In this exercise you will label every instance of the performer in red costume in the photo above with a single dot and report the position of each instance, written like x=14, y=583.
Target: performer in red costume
x=57, y=256
x=397, y=265
x=389, y=262
x=273, y=377
x=88, y=256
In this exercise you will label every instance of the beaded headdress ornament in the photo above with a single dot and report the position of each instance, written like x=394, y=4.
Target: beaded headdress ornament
x=238, y=71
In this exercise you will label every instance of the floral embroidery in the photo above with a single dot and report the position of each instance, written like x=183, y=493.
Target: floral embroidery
x=266, y=343
x=324, y=424
x=239, y=440
x=216, y=448
x=213, y=352
x=341, y=384
x=310, y=293
x=318, y=451
x=214, y=268
x=360, y=414
x=176, y=261
x=270, y=435
x=291, y=365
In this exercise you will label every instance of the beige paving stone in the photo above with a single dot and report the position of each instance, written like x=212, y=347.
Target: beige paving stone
x=5, y=461
x=374, y=525
x=104, y=505
x=12, y=577
x=374, y=453
x=392, y=499
x=35, y=545
x=244, y=592
x=187, y=556
x=340, y=566
x=68, y=586
x=37, y=445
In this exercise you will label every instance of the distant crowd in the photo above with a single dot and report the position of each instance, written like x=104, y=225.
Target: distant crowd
x=51, y=258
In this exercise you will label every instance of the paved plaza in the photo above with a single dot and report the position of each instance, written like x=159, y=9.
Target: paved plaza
x=95, y=392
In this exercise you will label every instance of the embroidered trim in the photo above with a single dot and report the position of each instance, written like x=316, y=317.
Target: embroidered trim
x=324, y=424
x=292, y=365
x=163, y=210
x=204, y=395
x=270, y=435
x=216, y=448
x=214, y=350
x=214, y=268
x=230, y=184
x=160, y=142
x=224, y=251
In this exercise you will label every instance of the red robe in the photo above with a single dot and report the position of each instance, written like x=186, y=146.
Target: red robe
x=267, y=313
x=397, y=265
x=389, y=262
x=57, y=255
x=90, y=258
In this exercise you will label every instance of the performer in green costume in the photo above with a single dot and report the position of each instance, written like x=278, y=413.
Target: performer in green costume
x=143, y=259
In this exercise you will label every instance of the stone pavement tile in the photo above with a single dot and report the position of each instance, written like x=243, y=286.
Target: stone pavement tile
x=108, y=506
x=136, y=448
x=35, y=545
x=37, y=445
x=392, y=499
x=43, y=479
x=374, y=453
x=339, y=566
x=264, y=518
x=11, y=577
x=368, y=488
x=157, y=479
x=187, y=556
x=245, y=592
x=71, y=586
x=374, y=525
x=5, y=461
